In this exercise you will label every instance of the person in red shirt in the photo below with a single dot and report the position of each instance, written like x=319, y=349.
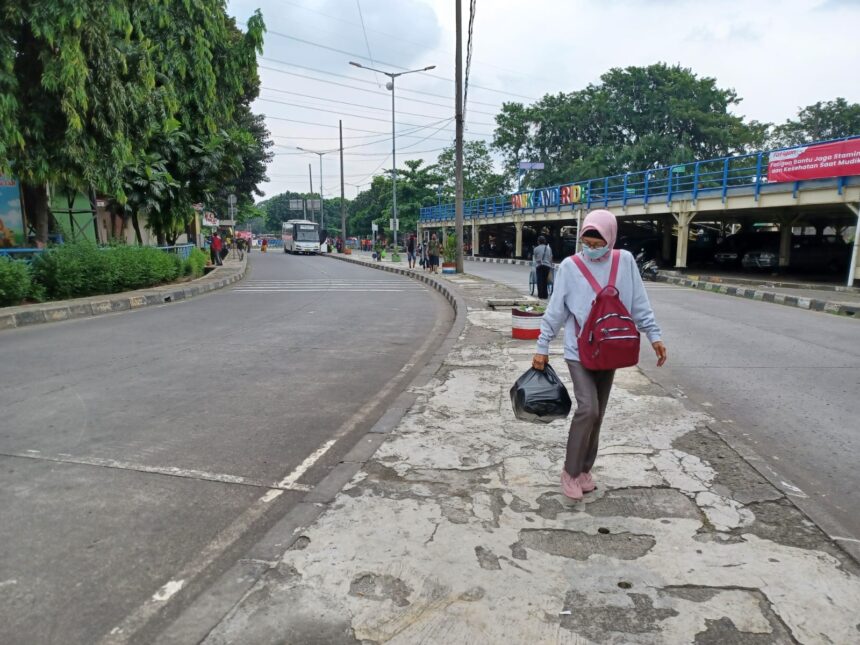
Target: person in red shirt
x=217, y=245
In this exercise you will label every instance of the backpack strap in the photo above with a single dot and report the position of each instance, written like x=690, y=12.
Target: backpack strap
x=613, y=270
x=585, y=272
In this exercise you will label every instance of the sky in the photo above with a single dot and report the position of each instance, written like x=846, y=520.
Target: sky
x=777, y=55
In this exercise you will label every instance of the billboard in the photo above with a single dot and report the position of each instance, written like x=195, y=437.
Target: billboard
x=836, y=159
x=11, y=214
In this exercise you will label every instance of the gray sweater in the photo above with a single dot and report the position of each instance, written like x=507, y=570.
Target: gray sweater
x=542, y=255
x=572, y=298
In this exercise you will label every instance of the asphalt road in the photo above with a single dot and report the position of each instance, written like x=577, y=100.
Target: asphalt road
x=142, y=453
x=786, y=380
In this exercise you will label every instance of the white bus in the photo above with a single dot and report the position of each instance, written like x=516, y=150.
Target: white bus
x=301, y=236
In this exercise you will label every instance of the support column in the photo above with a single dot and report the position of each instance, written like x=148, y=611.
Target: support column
x=518, y=245
x=785, y=224
x=854, y=267
x=683, y=220
x=666, y=252
x=476, y=238
x=578, y=247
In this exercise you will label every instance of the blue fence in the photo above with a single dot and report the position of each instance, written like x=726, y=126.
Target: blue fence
x=182, y=250
x=688, y=181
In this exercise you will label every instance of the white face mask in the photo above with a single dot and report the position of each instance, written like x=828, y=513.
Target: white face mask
x=595, y=254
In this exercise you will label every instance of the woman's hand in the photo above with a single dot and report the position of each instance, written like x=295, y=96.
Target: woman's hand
x=540, y=361
x=660, y=350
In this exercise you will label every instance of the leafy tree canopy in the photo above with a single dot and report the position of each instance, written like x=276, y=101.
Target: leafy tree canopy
x=635, y=118
x=818, y=122
x=479, y=176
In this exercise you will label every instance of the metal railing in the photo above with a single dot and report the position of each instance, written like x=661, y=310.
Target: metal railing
x=679, y=181
x=182, y=250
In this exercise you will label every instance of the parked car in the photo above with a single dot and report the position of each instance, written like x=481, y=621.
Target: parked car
x=730, y=252
x=825, y=254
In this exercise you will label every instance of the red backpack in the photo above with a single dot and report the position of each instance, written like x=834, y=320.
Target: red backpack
x=609, y=339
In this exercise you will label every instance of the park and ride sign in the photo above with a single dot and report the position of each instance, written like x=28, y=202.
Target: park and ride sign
x=11, y=214
x=548, y=197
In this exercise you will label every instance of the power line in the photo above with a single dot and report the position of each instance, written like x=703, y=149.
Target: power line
x=358, y=105
x=469, y=55
x=323, y=98
x=369, y=107
x=357, y=80
x=366, y=41
x=363, y=57
x=427, y=46
x=359, y=116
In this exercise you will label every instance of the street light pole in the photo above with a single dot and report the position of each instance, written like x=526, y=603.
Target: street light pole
x=393, y=169
x=390, y=86
x=322, y=206
x=458, y=145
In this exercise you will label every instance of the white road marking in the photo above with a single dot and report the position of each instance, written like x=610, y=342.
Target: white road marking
x=844, y=539
x=272, y=494
x=320, y=290
x=168, y=590
x=171, y=471
x=303, y=467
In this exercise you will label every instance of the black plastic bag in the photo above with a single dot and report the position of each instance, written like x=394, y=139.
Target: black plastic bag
x=540, y=396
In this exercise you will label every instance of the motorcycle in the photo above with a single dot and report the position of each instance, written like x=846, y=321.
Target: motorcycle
x=648, y=268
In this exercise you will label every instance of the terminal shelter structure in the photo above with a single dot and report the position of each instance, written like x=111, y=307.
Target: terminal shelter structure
x=813, y=186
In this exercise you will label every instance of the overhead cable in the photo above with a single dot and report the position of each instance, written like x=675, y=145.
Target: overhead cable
x=357, y=80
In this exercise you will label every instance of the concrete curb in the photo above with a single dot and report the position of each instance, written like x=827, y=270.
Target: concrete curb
x=769, y=284
x=26, y=315
x=812, y=304
x=210, y=607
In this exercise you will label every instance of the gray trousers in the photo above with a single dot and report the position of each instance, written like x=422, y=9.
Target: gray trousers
x=591, y=390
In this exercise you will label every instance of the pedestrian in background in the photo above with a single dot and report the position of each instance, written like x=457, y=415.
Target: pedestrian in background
x=433, y=253
x=570, y=306
x=410, y=251
x=542, y=257
x=217, y=246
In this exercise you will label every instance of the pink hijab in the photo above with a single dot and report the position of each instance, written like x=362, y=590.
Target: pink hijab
x=603, y=222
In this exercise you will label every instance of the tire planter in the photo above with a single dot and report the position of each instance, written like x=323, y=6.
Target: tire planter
x=525, y=325
x=449, y=267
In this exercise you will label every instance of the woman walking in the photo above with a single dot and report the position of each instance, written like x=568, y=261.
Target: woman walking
x=573, y=296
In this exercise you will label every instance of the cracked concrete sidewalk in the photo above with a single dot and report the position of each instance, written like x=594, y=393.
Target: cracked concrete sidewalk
x=456, y=531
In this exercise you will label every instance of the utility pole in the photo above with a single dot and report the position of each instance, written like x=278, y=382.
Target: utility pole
x=342, y=195
x=311, y=179
x=458, y=168
x=322, y=207
x=393, y=168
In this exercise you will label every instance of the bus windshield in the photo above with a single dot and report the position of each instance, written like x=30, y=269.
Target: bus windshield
x=306, y=236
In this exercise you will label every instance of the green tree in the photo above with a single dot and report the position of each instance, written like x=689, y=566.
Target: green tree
x=73, y=77
x=818, y=122
x=635, y=118
x=479, y=176
x=207, y=78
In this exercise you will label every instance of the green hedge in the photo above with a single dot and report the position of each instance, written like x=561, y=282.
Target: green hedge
x=83, y=269
x=15, y=281
x=195, y=263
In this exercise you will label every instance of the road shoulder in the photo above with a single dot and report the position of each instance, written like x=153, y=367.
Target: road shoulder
x=454, y=528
